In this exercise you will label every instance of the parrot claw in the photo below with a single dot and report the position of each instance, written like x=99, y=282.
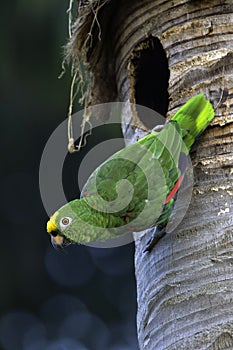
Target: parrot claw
x=158, y=233
x=158, y=128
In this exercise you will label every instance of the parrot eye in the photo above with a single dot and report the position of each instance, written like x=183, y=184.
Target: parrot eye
x=65, y=222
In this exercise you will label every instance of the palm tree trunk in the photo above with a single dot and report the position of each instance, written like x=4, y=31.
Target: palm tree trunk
x=185, y=285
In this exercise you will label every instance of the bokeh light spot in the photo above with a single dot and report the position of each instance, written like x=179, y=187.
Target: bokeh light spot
x=77, y=325
x=113, y=261
x=66, y=344
x=13, y=326
x=66, y=269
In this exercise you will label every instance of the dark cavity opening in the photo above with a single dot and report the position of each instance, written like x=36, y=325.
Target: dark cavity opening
x=151, y=78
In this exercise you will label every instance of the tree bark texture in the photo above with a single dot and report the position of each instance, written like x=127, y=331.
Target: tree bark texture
x=185, y=285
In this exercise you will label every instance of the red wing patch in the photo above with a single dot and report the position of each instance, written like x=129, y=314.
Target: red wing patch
x=175, y=189
x=127, y=216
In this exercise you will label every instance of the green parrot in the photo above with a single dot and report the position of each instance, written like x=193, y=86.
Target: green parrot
x=135, y=189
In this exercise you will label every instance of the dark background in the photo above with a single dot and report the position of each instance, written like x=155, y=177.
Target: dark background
x=86, y=299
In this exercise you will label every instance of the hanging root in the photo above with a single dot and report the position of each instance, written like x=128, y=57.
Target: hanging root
x=78, y=80
x=70, y=29
x=94, y=21
x=82, y=78
x=71, y=146
x=70, y=17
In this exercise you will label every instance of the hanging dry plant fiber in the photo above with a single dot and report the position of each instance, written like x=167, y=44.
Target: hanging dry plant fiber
x=92, y=77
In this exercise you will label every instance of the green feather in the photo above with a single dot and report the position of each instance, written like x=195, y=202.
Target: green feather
x=194, y=117
x=131, y=186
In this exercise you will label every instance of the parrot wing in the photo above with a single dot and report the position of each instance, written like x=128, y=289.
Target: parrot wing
x=141, y=175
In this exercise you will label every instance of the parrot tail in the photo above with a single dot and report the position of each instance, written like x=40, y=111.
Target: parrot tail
x=193, y=117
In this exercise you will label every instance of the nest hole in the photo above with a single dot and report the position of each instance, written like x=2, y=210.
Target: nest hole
x=151, y=78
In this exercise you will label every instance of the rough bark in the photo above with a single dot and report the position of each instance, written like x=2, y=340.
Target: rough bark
x=185, y=286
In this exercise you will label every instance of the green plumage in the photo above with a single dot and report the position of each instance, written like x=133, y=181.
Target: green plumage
x=130, y=191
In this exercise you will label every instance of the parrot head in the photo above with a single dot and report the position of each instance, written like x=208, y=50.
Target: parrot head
x=78, y=222
x=59, y=227
x=70, y=224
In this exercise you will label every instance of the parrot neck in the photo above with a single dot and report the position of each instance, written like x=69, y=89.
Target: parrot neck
x=90, y=224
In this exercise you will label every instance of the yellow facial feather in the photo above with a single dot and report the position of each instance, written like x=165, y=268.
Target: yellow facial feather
x=51, y=226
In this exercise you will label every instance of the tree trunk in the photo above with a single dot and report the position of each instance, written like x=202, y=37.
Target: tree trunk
x=185, y=285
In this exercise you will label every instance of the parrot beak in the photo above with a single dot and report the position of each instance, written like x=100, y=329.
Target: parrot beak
x=59, y=242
